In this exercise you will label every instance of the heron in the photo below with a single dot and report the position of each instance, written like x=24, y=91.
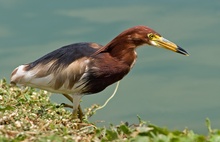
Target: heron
x=87, y=68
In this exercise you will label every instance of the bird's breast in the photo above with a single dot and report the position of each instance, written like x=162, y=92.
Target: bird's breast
x=104, y=71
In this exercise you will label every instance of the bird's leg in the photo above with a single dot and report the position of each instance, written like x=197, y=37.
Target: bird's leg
x=68, y=97
x=76, y=106
x=75, y=116
x=80, y=112
x=76, y=112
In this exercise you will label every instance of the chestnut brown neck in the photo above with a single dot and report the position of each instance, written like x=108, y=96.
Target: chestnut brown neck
x=123, y=50
x=123, y=46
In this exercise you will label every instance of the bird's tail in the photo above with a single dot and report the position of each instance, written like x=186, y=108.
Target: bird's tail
x=18, y=75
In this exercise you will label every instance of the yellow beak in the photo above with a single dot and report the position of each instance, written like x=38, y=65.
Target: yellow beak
x=164, y=43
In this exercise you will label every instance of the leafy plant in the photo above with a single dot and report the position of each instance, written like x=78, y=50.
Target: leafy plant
x=26, y=114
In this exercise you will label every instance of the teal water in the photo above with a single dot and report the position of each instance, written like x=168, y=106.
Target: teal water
x=164, y=88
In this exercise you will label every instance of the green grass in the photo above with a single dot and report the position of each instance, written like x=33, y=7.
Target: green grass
x=28, y=115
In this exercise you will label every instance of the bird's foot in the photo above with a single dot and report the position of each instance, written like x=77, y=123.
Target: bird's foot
x=80, y=113
x=77, y=114
x=66, y=105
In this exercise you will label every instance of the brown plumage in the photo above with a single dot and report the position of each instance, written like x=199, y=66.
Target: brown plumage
x=86, y=68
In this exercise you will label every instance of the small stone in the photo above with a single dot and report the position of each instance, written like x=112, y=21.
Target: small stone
x=18, y=124
x=2, y=127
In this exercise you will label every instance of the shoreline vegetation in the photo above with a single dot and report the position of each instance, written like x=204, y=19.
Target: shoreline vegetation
x=28, y=115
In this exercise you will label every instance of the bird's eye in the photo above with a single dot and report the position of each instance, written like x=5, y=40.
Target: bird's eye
x=151, y=36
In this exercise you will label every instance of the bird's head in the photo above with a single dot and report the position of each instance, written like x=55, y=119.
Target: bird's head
x=140, y=35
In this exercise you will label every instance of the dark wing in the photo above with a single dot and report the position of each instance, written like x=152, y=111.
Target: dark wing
x=65, y=55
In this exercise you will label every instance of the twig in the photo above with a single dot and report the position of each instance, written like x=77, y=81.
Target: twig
x=106, y=102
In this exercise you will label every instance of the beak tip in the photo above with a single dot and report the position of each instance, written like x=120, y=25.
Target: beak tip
x=182, y=51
